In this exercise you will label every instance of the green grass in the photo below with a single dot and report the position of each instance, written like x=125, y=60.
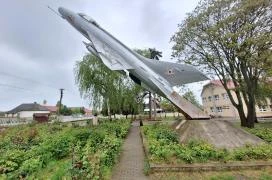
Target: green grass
x=262, y=124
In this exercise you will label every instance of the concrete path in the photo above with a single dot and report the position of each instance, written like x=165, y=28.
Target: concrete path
x=131, y=164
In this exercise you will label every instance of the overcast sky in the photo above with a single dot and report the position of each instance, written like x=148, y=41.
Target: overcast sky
x=38, y=49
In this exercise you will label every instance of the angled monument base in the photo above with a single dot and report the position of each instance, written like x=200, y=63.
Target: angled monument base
x=189, y=110
x=220, y=133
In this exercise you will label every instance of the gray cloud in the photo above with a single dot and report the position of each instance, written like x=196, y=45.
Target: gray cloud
x=38, y=49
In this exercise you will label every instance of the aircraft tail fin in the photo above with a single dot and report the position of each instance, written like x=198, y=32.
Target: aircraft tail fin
x=176, y=74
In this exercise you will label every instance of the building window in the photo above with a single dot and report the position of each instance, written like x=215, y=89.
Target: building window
x=210, y=98
x=219, y=109
x=216, y=97
x=225, y=107
x=262, y=108
x=204, y=99
x=225, y=96
x=212, y=109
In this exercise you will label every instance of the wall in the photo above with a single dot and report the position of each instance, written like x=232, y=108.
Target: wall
x=29, y=114
x=228, y=110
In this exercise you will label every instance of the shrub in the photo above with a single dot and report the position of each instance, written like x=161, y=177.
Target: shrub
x=11, y=160
x=30, y=166
x=27, y=149
x=263, y=133
x=263, y=151
x=164, y=146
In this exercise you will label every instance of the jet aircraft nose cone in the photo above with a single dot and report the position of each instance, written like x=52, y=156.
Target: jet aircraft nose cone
x=62, y=11
x=65, y=13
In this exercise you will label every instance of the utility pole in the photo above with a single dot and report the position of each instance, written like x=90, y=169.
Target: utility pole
x=61, y=96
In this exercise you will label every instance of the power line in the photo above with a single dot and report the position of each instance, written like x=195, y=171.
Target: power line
x=26, y=79
x=18, y=88
x=31, y=80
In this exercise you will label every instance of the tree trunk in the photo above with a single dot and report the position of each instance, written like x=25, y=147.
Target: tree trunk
x=251, y=113
x=155, y=106
x=109, y=110
x=242, y=116
x=150, y=105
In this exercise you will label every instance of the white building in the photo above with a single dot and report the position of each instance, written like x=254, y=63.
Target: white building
x=27, y=111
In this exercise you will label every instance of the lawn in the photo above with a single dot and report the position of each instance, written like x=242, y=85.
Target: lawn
x=56, y=151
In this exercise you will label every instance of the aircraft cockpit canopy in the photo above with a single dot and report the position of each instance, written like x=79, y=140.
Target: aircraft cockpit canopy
x=88, y=18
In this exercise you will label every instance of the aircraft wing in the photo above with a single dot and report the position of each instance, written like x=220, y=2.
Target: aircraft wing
x=109, y=57
x=176, y=74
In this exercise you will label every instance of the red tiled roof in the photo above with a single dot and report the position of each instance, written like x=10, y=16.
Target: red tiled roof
x=52, y=108
x=87, y=110
x=217, y=82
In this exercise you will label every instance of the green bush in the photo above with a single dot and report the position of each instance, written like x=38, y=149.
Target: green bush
x=99, y=154
x=28, y=149
x=164, y=146
x=263, y=152
x=11, y=160
x=263, y=133
x=30, y=166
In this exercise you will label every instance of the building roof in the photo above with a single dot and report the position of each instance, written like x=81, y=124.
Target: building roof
x=27, y=107
x=217, y=82
x=87, y=110
x=51, y=108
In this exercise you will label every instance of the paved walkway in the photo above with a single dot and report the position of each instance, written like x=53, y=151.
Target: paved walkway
x=131, y=164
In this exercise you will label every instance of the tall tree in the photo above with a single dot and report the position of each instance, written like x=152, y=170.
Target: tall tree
x=97, y=82
x=232, y=40
x=107, y=89
x=156, y=55
x=150, y=53
x=189, y=95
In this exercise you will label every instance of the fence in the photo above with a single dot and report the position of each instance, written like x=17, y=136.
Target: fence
x=72, y=119
x=14, y=121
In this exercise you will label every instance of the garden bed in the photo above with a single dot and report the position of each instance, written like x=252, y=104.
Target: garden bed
x=31, y=151
x=165, y=153
x=262, y=132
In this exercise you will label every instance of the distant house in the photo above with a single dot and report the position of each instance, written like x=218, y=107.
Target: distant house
x=29, y=111
x=88, y=112
x=53, y=109
x=216, y=101
x=85, y=111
